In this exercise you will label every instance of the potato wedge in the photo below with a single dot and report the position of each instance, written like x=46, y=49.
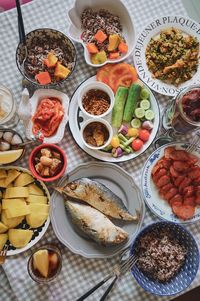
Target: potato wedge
x=3, y=228
x=23, y=180
x=34, y=189
x=16, y=192
x=11, y=222
x=3, y=240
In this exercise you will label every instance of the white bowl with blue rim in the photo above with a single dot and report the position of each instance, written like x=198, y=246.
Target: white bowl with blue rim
x=150, y=193
x=186, y=274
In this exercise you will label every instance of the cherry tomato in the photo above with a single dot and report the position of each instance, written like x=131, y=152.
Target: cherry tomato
x=137, y=144
x=144, y=135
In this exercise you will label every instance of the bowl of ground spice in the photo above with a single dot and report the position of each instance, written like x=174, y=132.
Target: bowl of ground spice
x=96, y=99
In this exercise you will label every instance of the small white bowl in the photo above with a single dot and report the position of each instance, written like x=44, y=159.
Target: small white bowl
x=114, y=6
x=98, y=86
x=104, y=122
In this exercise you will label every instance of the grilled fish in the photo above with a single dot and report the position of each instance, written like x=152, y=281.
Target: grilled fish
x=98, y=196
x=95, y=224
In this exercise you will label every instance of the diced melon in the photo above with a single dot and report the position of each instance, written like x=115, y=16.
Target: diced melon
x=19, y=238
x=23, y=180
x=3, y=240
x=10, y=156
x=35, y=220
x=3, y=173
x=15, y=211
x=41, y=262
x=38, y=208
x=37, y=199
x=6, y=203
x=16, y=192
x=3, y=183
x=11, y=222
x=12, y=175
x=3, y=228
x=34, y=189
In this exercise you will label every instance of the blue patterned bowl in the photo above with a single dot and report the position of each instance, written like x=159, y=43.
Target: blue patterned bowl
x=186, y=274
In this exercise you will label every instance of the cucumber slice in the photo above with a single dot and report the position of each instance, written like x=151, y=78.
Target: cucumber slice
x=145, y=104
x=139, y=113
x=144, y=94
x=136, y=123
x=149, y=115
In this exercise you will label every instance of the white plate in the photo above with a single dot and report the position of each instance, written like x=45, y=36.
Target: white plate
x=34, y=101
x=186, y=25
x=76, y=118
x=122, y=184
x=38, y=232
x=150, y=193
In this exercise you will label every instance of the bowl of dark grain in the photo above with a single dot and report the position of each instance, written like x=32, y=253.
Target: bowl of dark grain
x=50, y=59
x=167, y=258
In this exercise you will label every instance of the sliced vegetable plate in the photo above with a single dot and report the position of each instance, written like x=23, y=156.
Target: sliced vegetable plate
x=130, y=145
x=153, y=199
x=120, y=183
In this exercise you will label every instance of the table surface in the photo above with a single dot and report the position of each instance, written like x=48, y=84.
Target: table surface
x=78, y=273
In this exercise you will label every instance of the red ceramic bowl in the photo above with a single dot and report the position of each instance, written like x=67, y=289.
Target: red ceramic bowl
x=34, y=154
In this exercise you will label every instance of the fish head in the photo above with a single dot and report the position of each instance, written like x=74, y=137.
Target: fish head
x=75, y=189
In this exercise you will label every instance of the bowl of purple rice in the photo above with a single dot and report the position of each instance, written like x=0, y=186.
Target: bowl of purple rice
x=51, y=57
x=105, y=30
x=167, y=258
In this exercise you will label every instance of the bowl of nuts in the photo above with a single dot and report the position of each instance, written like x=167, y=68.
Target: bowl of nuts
x=47, y=162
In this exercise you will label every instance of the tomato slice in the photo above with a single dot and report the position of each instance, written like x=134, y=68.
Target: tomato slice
x=118, y=71
x=102, y=73
x=123, y=81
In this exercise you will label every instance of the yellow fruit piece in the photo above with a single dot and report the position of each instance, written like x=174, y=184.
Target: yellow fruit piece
x=3, y=183
x=12, y=175
x=38, y=208
x=11, y=222
x=41, y=262
x=115, y=142
x=35, y=220
x=34, y=189
x=6, y=203
x=3, y=240
x=3, y=228
x=132, y=132
x=52, y=59
x=19, y=238
x=37, y=199
x=99, y=58
x=61, y=71
x=16, y=192
x=10, y=156
x=114, y=41
x=15, y=211
x=23, y=180
x=3, y=173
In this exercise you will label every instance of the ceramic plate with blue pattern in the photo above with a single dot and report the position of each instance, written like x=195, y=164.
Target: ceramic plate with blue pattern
x=187, y=272
x=157, y=205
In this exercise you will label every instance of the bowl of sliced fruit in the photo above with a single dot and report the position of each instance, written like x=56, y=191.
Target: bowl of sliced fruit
x=105, y=30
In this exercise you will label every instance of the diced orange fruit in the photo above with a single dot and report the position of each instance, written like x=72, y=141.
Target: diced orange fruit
x=123, y=47
x=100, y=36
x=43, y=78
x=92, y=48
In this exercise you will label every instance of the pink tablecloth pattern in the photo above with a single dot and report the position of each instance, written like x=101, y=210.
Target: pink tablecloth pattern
x=78, y=273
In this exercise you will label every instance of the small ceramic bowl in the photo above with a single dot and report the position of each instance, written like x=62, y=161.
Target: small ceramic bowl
x=187, y=272
x=96, y=86
x=105, y=124
x=116, y=7
x=34, y=154
x=39, y=37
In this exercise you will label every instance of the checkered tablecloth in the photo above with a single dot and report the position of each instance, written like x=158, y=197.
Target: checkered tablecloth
x=78, y=274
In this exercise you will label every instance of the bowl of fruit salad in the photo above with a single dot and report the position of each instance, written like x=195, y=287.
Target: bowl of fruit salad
x=50, y=60
x=105, y=30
